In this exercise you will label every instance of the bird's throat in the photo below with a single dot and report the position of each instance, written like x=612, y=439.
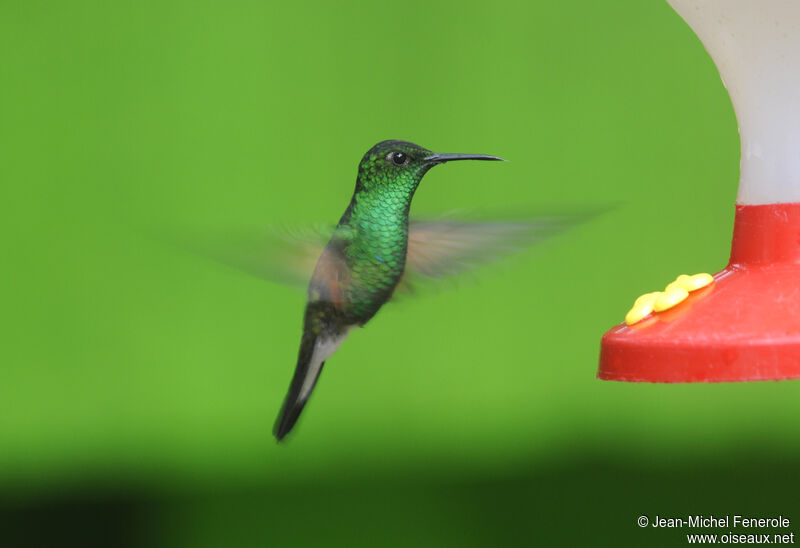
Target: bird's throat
x=379, y=224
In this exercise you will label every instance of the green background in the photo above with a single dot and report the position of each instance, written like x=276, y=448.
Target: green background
x=139, y=383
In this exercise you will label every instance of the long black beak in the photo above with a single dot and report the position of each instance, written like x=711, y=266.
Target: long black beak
x=442, y=158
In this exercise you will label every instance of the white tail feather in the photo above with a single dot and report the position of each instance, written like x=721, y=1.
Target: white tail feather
x=323, y=349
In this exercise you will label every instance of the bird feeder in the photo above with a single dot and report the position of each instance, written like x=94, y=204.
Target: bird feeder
x=745, y=324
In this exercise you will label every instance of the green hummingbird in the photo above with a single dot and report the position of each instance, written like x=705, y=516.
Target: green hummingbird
x=363, y=262
x=373, y=253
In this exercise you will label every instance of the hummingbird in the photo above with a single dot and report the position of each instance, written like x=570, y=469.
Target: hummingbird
x=373, y=253
x=362, y=263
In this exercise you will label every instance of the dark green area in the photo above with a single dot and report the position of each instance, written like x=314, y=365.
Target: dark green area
x=141, y=382
x=583, y=500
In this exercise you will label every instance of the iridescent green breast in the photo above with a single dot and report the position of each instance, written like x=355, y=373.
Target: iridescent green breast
x=377, y=228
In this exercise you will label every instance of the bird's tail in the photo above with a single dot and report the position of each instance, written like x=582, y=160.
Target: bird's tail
x=314, y=350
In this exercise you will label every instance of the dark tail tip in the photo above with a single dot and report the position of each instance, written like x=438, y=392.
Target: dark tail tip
x=287, y=418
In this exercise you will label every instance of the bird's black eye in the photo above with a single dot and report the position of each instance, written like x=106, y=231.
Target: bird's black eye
x=398, y=158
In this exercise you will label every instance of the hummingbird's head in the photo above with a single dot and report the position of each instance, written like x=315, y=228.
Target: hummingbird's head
x=404, y=163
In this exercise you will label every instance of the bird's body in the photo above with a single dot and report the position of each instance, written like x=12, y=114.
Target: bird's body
x=362, y=263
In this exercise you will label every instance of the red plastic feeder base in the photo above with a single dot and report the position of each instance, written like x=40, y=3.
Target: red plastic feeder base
x=743, y=327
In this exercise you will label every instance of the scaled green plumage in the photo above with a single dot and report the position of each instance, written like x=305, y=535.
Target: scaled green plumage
x=374, y=228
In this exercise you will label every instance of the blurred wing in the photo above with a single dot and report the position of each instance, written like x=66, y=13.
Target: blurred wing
x=331, y=279
x=437, y=249
x=286, y=256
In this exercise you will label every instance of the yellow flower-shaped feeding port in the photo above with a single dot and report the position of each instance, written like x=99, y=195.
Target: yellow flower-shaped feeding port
x=669, y=298
x=641, y=308
x=674, y=294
